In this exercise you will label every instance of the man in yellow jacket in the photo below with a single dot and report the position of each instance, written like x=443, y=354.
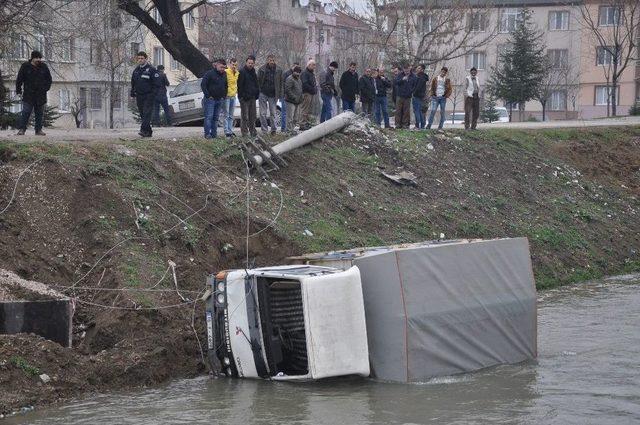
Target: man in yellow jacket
x=232, y=91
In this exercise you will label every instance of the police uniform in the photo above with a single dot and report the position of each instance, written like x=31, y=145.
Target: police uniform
x=144, y=85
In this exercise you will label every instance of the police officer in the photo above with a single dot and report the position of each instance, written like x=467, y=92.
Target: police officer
x=145, y=83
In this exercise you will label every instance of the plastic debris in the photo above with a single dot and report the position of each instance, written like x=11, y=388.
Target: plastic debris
x=402, y=178
x=307, y=232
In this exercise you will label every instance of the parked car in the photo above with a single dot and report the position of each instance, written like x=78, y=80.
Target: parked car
x=186, y=105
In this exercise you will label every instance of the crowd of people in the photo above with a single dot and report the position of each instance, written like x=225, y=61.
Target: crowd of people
x=296, y=89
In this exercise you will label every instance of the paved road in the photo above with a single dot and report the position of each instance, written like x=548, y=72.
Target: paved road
x=169, y=133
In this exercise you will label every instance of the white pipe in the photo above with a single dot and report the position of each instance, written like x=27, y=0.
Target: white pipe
x=329, y=126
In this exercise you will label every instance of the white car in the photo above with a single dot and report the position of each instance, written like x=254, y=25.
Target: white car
x=458, y=117
x=186, y=105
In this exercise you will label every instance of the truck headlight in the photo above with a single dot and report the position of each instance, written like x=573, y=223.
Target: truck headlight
x=221, y=286
x=220, y=299
x=226, y=361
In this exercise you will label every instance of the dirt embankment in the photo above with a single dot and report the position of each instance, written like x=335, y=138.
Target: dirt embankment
x=104, y=223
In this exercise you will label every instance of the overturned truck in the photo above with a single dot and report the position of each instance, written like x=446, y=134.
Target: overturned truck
x=408, y=312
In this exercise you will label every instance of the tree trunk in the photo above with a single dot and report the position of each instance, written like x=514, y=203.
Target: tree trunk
x=171, y=34
x=614, y=90
x=544, y=111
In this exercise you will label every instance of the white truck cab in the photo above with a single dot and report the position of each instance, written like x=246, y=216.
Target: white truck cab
x=295, y=322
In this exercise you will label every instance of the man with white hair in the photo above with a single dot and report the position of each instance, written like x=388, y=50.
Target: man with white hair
x=309, y=91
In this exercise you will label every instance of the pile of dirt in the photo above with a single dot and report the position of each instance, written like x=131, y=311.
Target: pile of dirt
x=110, y=225
x=14, y=288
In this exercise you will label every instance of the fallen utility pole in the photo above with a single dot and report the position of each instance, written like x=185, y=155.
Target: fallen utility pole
x=259, y=152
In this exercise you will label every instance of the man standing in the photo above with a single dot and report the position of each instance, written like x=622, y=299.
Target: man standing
x=145, y=83
x=230, y=101
x=439, y=91
x=248, y=93
x=328, y=90
x=270, y=82
x=367, y=93
x=293, y=97
x=395, y=70
x=420, y=96
x=161, y=98
x=309, y=90
x=349, y=88
x=36, y=78
x=405, y=84
x=283, y=102
x=214, y=87
x=380, y=86
x=471, y=100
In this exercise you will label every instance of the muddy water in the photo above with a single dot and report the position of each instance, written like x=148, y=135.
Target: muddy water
x=588, y=372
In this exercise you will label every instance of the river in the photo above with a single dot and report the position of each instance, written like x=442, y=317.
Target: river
x=587, y=372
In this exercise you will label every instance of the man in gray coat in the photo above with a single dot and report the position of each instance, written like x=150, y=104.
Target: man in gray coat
x=270, y=83
x=293, y=97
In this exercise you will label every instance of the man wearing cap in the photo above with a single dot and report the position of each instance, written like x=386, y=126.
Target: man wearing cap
x=328, y=90
x=34, y=75
x=145, y=82
x=161, y=98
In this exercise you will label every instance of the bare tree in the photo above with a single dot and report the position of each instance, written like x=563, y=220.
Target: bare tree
x=560, y=77
x=77, y=109
x=421, y=31
x=614, y=25
x=170, y=31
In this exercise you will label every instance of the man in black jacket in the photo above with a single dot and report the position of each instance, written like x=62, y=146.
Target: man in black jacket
x=367, y=93
x=349, y=88
x=271, y=89
x=248, y=93
x=328, y=91
x=145, y=82
x=161, y=98
x=36, y=78
x=283, y=102
x=214, y=87
x=309, y=91
x=420, y=97
x=381, y=85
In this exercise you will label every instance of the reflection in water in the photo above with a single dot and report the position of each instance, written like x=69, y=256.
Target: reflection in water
x=587, y=372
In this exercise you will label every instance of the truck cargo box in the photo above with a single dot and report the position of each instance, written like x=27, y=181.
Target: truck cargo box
x=442, y=308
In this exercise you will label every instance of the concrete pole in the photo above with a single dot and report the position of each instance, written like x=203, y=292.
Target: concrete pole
x=332, y=125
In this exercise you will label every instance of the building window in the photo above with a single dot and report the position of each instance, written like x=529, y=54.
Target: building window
x=604, y=55
x=426, y=23
x=95, y=51
x=66, y=49
x=16, y=105
x=158, y=56
x=155, y=14
x=558, y=58
x=116, y=98
x=608, y=16
x=95, y=101
x=559, y=20
x=64, y=100
x=476, y=60
x=135, y=48
x=188, y=19
x=175, y=65
x=510, y=19
x=603, y=94
x=477, y=22
x=558, y=101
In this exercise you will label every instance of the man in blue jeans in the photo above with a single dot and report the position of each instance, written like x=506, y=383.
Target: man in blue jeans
x=349, y=87
x=380, y=86
x=440, y=91
x=419, y=96
x=214, y=87
x=327, y=90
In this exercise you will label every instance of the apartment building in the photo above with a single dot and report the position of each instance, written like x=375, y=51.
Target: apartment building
x=579, y=88
x=91, y=70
